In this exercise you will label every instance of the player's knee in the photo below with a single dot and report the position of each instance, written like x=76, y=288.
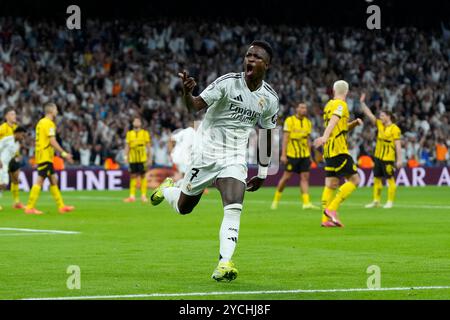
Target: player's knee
x=333, y=184
x=355, y=179
x=185, y=209
x=287, y=176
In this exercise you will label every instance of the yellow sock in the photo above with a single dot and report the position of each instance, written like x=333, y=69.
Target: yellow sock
x=34, y=195
x=327, y=196
x=15, y=191
x=305, y=198
x=277, y=196
x=377, y=187
x=133, y=187
x=392, y=187
x=344, y=191
x=144, y=186
x=54, y=190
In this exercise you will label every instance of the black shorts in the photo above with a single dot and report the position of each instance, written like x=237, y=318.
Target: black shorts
x=298, y=165
x=340, y=166
x=138, y=168
x=383, y=169
x=45, y=169
x=13, y=165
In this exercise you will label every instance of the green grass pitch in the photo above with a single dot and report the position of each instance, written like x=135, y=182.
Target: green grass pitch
x=133, y=249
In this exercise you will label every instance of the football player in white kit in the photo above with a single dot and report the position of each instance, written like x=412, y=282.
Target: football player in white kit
x=8, y=150
x=182, y=151
x=235, y=103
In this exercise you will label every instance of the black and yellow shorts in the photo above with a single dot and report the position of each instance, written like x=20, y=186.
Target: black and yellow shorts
x=383, y=169
x=13, y=165
x=45, y=169
x=340, y=166
x=297, y=165
x=138, y=168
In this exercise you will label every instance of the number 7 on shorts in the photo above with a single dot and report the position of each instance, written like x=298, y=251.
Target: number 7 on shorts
x=195, y=172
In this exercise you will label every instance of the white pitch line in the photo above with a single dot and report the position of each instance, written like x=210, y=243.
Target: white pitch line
x=40, y=231
x=222, y=293
x=23, y=234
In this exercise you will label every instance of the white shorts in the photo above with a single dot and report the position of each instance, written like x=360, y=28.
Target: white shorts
x=182, y=167
x=198, y=178
x=4, y=175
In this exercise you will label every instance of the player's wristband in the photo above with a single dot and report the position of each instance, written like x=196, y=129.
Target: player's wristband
x=125, y=157
x=64, y=154
x=262, y=172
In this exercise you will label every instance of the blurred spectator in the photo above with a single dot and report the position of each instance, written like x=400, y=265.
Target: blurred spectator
x=58, y=163
x=412, y=162
x=441, y=153
x=85, y=155
x=425, y=156
x=97, y=156
x=161, y=153
x=110, y=164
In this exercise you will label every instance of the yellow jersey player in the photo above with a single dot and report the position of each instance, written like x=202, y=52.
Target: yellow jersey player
x=388, y=154
x=7, y=130
x=138, y=155
x=338, y=161
x=296, y=154
x=46, y=145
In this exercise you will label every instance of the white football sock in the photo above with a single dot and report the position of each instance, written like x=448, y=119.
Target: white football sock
x=229, y=230
x=172, y=194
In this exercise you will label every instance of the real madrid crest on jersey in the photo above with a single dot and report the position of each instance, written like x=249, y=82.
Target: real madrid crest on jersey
x=261, y=102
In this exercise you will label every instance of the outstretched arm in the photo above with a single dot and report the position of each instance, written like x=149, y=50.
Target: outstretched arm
x=191, y=102
x=353, y=124
x=366, y=109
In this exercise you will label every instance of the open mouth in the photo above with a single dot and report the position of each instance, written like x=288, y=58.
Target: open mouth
x=249, y=70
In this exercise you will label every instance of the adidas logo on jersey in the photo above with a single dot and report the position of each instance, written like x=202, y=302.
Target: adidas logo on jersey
x=238, y=98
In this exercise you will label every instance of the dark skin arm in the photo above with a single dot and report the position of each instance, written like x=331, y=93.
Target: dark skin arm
x=191, y=102
x=256, y=182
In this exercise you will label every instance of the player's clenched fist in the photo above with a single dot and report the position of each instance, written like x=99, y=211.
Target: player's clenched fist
x=188, y=82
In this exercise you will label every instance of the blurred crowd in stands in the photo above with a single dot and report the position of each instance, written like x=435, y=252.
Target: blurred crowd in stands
x=109, y=71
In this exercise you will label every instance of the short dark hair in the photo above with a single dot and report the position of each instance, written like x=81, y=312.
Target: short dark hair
x=7, y=110
x=265, y=45
x=20, y=129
